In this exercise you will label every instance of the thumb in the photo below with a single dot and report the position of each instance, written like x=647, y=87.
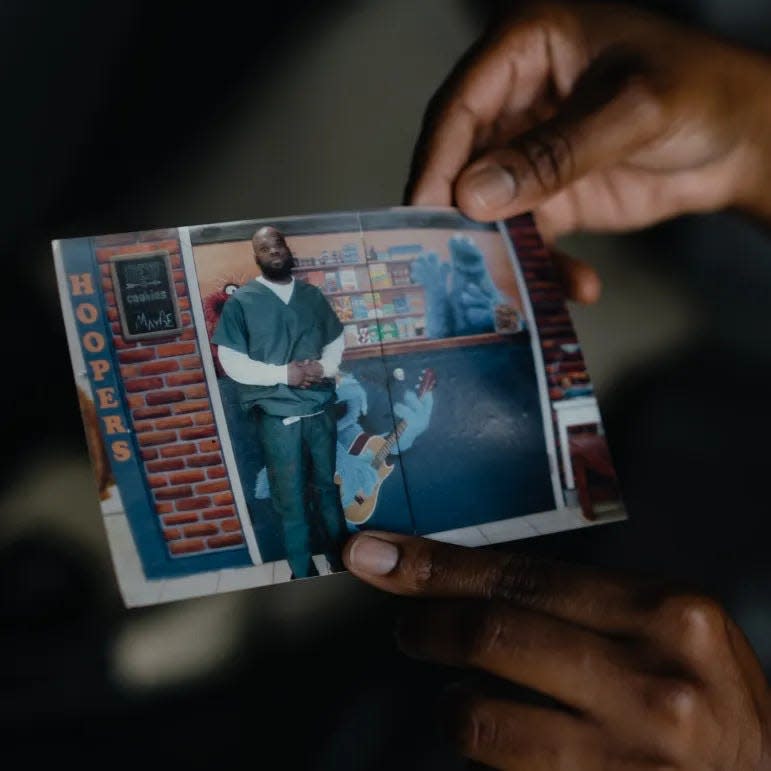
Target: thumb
x=600, y=125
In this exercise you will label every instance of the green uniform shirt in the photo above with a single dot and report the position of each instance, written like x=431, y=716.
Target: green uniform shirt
x=257, y=322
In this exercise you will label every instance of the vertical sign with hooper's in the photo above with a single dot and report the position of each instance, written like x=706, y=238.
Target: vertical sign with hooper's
x=144, y=290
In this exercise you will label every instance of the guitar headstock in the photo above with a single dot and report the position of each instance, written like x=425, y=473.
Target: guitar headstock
x=427, y=382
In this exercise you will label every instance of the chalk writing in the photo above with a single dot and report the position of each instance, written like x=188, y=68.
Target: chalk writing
x=146, y=323
x=145, y=295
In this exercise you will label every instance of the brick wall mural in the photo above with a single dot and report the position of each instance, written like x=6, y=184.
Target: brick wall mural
x=552, y=320
x=171, y=413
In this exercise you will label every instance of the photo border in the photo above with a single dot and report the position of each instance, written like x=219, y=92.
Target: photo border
x=202, y=575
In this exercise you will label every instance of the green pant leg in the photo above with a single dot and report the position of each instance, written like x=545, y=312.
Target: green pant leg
x=287, y=473
x=320, y=435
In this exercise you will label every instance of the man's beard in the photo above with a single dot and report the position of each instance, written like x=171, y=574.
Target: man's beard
x=278, y=274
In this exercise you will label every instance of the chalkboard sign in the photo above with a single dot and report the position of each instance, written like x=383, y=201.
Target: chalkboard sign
x=144, y=291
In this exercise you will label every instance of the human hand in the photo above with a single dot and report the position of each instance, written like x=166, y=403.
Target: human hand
x=634, y=675
x=597, y=117
x=295, y=374
x=314, y=372
x=304, y=373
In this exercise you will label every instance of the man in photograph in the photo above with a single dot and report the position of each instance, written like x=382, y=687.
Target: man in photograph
x=282, y=342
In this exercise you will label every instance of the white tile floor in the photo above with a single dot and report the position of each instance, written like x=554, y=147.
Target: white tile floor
x=508, y=530
x=467, y=536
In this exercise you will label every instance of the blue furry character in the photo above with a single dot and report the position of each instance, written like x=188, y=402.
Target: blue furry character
x=473, y=296
x=432, y=274
x=468, y=306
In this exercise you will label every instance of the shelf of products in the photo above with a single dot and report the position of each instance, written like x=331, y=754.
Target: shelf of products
x=331, y=265
x=376, y=300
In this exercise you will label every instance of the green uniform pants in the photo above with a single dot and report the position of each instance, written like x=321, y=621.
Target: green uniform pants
x=300, y=460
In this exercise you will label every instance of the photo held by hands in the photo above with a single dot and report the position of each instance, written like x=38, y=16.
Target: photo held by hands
x=399, y=392
x=402, y=369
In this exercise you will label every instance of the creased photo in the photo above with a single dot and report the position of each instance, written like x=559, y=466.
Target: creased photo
x=254, y=392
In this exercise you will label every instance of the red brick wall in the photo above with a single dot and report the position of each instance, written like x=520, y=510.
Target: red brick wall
x=551, y=315
x=171, y=414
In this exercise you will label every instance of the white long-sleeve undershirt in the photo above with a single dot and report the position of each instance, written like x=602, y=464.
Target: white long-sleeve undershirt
x=239, y=367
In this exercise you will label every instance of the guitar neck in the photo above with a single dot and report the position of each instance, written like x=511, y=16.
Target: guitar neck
x=388, y=445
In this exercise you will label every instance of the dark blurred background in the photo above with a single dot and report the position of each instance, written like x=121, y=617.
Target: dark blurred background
x=134, y=115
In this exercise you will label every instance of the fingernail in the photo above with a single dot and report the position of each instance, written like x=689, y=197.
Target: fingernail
x=492, y=186
x=373, y=556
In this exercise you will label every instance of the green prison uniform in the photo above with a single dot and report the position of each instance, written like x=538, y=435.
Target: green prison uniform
x=299, y=457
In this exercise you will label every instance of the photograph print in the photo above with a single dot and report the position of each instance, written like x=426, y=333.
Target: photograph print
x=403, y=369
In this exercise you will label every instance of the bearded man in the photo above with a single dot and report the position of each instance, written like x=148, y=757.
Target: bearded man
x=282, y=342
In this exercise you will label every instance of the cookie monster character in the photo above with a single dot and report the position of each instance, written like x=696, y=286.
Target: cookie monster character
x=358, y=478
x=468, y=305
